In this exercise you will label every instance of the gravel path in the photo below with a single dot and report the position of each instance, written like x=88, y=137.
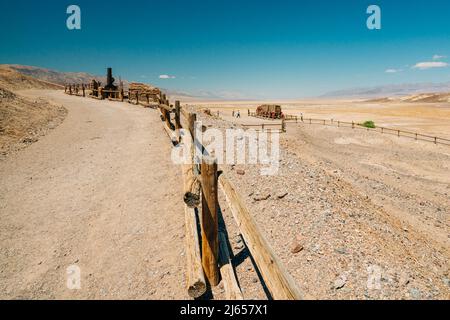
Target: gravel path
x=98, y=192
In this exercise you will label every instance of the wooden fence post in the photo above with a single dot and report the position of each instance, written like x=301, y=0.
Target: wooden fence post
x=209, y=218
x=177, y=119
x=137, y=97
x=83, y=88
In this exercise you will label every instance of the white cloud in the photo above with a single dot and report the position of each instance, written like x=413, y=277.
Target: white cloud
x=429, y=65
x=438, y=57
x=166, y=76
x=393, y=70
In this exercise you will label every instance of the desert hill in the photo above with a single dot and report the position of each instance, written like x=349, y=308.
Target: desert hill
x=58, y=77
x=11, y=79
x=23, y=121
x=415, y=98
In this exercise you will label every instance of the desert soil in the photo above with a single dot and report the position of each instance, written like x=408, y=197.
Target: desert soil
x=24, y=121
x=352, y=214
x=98, y=192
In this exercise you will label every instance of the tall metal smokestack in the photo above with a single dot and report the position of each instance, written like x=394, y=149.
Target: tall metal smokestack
x=110, y=80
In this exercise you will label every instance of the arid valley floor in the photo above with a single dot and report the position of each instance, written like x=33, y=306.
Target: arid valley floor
x=352, y=214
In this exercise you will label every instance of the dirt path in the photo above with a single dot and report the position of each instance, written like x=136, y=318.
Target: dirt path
x=99, y=192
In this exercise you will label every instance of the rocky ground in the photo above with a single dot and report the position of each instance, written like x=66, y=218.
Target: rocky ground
x=23, y=121
x=365, y=219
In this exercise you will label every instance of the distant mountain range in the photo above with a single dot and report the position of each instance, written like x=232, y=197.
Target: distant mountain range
x=53, y=76
x=42, y=77
x=394, y=90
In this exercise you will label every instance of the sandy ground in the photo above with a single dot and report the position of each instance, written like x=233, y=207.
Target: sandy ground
x=98, y=192
x=427, y=118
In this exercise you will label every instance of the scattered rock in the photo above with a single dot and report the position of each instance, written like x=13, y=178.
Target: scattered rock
x=341, y=250
x=262, y=198
x=255, y=280
x=296, y=247
x=340, y=282
x=240, y=172
x=282, y=195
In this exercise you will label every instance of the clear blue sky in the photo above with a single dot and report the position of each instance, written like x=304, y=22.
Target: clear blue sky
x=276, y=49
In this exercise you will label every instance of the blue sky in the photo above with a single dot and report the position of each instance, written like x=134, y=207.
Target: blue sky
x=236, y=48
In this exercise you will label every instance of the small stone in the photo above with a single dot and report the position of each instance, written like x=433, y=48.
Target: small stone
x=239, y=246
x=240, y=172
x=340, y=282
x=282, y=195
x=255, y=280
x=262, y=198
x=296, y=248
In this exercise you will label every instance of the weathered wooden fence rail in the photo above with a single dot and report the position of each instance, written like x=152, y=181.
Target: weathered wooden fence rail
x=207, y=252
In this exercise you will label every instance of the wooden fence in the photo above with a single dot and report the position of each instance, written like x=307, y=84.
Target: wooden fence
x=201, y=185
x=207, y=251
x=383, y=130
